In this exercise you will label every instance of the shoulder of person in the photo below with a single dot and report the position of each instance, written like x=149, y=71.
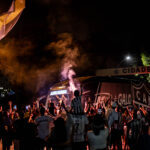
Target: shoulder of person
x=48, y=117
x=89, y=133
x=37, y=118
x=106, y=129
x=73, y=99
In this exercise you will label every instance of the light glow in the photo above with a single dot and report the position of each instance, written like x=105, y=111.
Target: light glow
x=128, y=57
x=58, y=92
x=72, y=86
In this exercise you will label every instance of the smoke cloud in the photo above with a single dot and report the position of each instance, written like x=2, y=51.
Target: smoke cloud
x=16, y=62
x=21, y=64
x=36, y=61
x=66, y=49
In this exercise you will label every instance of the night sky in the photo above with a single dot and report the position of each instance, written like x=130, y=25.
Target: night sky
x=103, y=35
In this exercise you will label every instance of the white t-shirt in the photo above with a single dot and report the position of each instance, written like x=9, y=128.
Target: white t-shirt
x=98, y=141
x=79, y=122
x=43, y=126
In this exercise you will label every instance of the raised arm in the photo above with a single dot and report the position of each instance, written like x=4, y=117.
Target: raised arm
x=81, y=90
x=63, y=105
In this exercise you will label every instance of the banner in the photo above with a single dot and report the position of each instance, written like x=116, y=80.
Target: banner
x=123, y=71
x=141, y=94
x=120, y=92
x=10, y=18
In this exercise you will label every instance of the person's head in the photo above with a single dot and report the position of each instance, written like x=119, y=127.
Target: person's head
x=51, y=104
x=89, y=99
x=42, y=111
x=16, y=115
x=114, y=105
x=126, y=112
x=76, y=93
x=6, y=128
x=139, y=116
x=59, y=122
x=60, y=129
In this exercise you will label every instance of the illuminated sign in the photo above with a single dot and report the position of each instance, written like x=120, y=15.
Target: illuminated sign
x=59, y=92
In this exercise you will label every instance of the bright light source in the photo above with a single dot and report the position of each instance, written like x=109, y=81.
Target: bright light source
x=59, y=92
x=128, y=57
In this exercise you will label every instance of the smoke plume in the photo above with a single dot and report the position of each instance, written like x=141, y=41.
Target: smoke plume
x=66, y=49
x=21, y=63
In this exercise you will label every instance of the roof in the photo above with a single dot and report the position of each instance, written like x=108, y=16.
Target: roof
x=64, y=84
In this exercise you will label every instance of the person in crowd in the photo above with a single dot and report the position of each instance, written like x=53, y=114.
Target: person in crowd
x=108, y=109
x=51, y=108
x=144, y=139
x=19, y=130
x=79, y=123
x=134, y=131
x=97, y=137
x=79, y=130
x=58, y=137
x=31, y=141
x=115, y=127
x=62, y=98
x=1, y=119
x=6, y=131
x=31, y=127
x=6, y=137
x=43, y=125
x=76, y=105
x=125, y=120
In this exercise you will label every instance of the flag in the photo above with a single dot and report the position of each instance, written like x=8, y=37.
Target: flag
x=10, y=18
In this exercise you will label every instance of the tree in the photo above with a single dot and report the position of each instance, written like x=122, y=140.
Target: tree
x=146, y=62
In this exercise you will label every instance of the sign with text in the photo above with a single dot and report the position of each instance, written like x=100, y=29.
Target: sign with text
x=123, y=71
x=141, y=94
x=117, y=91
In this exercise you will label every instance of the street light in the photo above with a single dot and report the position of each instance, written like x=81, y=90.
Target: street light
x=126, y=61
x=128, y=58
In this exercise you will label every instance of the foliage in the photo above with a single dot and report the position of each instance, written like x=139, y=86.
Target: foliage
x=145, y=59
x=146, y=62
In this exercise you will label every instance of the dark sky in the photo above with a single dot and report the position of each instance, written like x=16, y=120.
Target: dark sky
x=104, y=34
x=100, y=30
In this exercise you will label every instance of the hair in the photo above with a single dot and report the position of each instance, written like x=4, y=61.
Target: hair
x=51, y=104
x=42, y=111
x=98, y=124
x=135, y=115
x=59, y=132
x=76, y=93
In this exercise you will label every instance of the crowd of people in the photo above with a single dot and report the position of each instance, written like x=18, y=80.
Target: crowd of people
x=99, y=126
